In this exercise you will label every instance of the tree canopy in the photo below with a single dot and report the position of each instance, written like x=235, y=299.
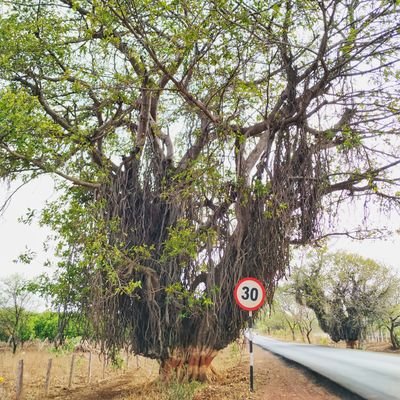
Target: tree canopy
x=194, y=142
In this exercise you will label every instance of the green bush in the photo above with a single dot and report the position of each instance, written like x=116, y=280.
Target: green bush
x=117, y=362
x=323, y=341
x=46, y=326
x=67, y=347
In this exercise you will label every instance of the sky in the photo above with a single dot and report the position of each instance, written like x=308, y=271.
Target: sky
x=15, y=237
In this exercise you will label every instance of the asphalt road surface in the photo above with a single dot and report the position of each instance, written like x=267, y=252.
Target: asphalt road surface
x=371, y=375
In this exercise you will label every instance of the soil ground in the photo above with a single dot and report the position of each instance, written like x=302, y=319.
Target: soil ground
x=275, y=379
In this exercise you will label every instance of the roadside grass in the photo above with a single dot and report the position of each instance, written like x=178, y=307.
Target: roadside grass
x=228, y=384
x=137, y=382
x=35, y=367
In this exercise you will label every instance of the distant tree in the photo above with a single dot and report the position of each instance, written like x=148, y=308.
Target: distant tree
x=194, y=142
x=346, y=292
x=296, y=315
x=271, y=321
x=306, y=319
x=14, y=319
x=66, y=294
x=47, y=325
x=390, y=315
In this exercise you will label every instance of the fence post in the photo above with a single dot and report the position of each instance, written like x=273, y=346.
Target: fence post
x=127, y=359
x=104, y=366
x=48, y=372
x=90, y=368
x=20, y=379
x=71, y=371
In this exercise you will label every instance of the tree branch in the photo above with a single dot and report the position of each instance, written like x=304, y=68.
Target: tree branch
x=46, y=169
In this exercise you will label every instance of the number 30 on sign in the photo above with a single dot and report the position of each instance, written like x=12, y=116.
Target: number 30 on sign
x=249, y=294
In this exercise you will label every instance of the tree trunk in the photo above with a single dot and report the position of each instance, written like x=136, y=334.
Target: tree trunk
x=393, y=338
x=14, y=345
x=192, y=364
x=351, y=344
x=301, y=329
x=292, y=328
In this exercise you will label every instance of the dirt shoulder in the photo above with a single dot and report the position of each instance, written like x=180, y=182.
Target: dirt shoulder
x=282, y=379
x=275, y=379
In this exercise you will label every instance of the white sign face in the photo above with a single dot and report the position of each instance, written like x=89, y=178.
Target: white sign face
x=249, y=294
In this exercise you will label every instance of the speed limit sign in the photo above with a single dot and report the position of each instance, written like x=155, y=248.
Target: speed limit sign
x=249, y=294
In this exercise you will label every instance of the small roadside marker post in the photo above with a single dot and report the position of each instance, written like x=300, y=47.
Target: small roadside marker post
x=249, y=294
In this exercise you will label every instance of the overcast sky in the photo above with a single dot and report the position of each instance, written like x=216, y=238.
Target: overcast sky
x=15, y=236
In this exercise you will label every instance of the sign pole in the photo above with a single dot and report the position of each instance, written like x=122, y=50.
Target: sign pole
x=251, y=351
x=249, y=294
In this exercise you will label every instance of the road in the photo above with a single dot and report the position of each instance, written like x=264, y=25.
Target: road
x=369, y=374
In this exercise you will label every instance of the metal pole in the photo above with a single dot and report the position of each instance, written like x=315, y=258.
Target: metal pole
x=251, y=351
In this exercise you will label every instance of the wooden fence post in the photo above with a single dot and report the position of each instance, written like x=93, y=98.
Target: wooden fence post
x=20, y=379
x=90, y=368
x=127, y=359
x=48, y=372
x=104, y=365
x=71, y=371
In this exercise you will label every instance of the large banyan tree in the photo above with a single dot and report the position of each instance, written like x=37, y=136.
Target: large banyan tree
x=194, y=142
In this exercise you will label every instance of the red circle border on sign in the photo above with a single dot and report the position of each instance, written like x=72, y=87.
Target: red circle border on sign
x=235, y=294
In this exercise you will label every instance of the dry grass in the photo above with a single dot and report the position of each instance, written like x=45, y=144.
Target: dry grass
x=35, y=367
x=137, y=381
x=231, y=383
